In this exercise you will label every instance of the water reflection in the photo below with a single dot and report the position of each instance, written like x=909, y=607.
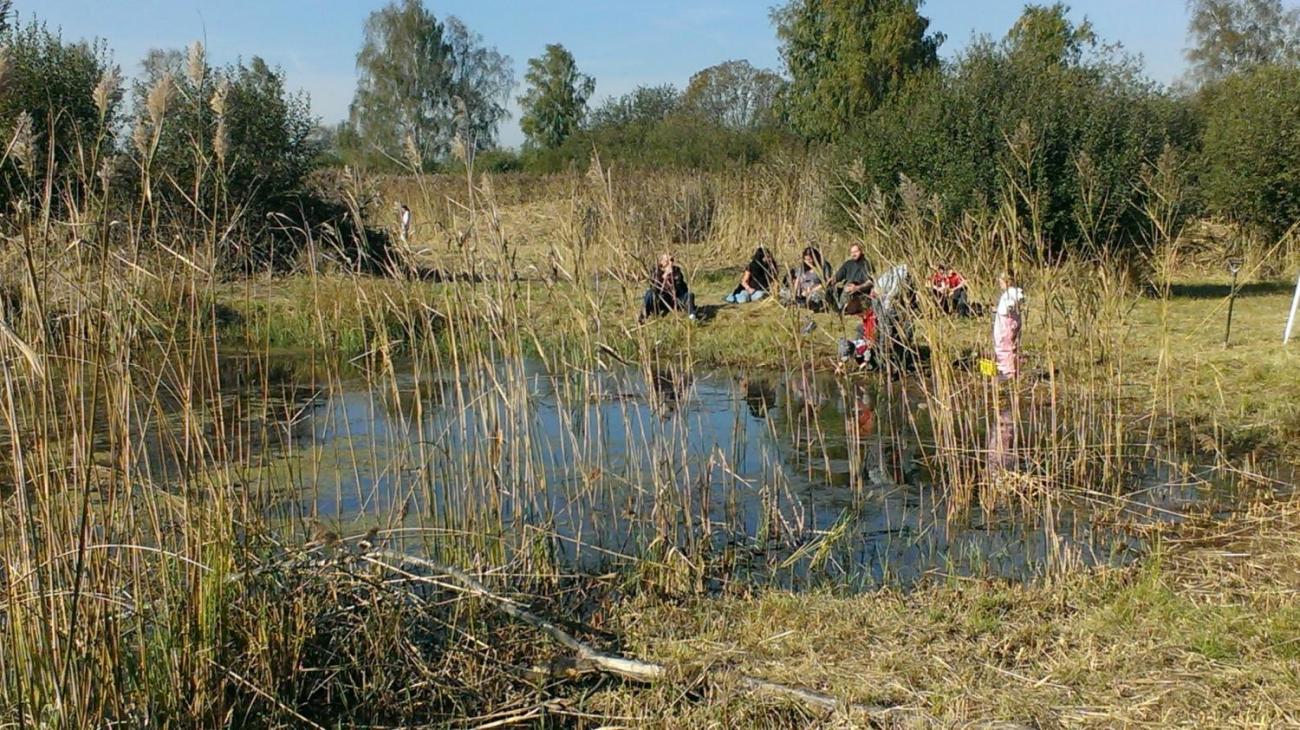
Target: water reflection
x=615, y=460
x=668, y=388
x=759, y=395
x=1002, y=444
x=769, y=468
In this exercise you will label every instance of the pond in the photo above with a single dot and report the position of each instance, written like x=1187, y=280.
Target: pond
x=792, y=478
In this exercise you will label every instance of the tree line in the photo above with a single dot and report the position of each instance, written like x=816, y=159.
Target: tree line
x=1048, y=118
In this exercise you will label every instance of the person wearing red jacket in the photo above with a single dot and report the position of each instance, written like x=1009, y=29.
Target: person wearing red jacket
x=862, y=350
x=949, y=289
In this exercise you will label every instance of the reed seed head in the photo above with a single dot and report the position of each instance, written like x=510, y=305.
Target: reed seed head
x=24, y=142
x=107, y=169
x=219, y=96
x=105, y=89
x=413, y=157
x=221, y=141
x=140, y=138
x=196, y=66
x=159, y=97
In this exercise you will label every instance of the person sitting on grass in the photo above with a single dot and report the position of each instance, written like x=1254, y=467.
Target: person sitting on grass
x=949, y=289
x=668, y=291
x=808, y=281
x=758, y=277
x=850, y=280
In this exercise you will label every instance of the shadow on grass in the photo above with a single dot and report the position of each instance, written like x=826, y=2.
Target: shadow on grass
x=1221, y=291
x=707, y=312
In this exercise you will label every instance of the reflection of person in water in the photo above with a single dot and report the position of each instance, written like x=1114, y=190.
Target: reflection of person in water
x=877, y=435
x=863, y=422
x=666, y=390
x=803, y=386
x=759, y=396
x=1002, y=444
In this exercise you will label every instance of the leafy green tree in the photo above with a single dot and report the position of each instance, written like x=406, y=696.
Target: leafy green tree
x=644, y=106
x=481, y=81
x=1230, y=36
x=1045, y=37
x=421, y=83
x=845, y=57
x=555, y=102
x=6, y=7
x=1045, y=119
x=1251, y=149
x=734, y=94
x=230, y=145
x=63, y=98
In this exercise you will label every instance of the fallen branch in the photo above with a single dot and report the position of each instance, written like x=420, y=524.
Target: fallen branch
x=631, y=669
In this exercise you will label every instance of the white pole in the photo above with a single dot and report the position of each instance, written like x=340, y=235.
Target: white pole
x=1290, y=321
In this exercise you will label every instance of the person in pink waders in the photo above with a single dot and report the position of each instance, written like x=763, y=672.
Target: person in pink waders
x=1006, y=327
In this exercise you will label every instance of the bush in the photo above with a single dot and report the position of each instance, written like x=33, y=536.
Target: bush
x=50, y=87
x=1029, y=120
x=1251, y=149
x=654, y=128
x=228, y=147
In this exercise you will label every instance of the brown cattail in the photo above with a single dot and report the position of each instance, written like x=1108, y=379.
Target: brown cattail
x=196, y=67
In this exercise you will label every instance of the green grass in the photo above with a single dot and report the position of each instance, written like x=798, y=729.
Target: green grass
x=1240, y=400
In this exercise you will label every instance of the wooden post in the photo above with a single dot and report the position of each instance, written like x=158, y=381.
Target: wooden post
x=1234, y=265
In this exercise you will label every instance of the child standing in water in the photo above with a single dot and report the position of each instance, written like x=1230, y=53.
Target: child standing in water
x=1006, y=327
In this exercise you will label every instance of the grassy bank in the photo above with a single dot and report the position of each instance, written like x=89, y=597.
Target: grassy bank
x=1166, y=351
x=1203, y=633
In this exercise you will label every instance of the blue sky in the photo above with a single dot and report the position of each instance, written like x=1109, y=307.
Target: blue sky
x=623, y=43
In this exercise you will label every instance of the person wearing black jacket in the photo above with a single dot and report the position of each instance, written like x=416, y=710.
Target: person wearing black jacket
x=757, y=280
x=850, y=280
x=668, y=291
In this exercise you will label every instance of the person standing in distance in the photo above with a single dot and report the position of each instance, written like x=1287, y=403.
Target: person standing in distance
x=405, y=219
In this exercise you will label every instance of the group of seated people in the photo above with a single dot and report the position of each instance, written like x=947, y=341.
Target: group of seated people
x=810, y=284
x=883, y=338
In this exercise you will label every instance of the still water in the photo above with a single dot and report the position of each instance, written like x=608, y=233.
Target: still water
x=787, y=477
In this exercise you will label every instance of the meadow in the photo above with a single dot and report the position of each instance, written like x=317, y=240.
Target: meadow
x=462, y=489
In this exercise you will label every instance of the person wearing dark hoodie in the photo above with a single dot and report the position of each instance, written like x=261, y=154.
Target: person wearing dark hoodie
x=756, y=281
x=668, y=291
x=851, y=280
